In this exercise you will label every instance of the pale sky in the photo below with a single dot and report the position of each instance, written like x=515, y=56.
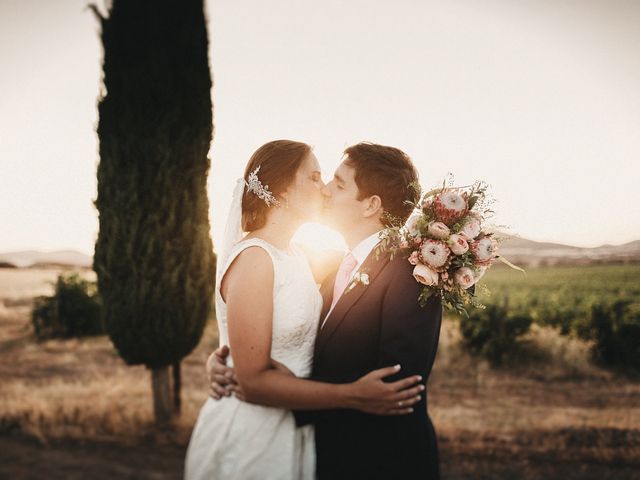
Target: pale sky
x=539, y=98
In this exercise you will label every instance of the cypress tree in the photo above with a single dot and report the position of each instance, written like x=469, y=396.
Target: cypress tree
x=153, y=256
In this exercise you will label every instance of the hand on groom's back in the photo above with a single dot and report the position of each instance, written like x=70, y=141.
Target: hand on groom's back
x=221, y=378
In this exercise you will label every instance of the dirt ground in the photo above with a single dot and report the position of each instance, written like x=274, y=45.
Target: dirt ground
x=26, y=458
x=72, y=409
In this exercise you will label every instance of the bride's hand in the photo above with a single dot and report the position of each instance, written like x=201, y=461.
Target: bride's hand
x=370, y=394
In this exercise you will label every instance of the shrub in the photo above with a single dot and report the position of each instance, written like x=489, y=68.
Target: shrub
x=615, y=329
x=74, y=310
x=493, y=332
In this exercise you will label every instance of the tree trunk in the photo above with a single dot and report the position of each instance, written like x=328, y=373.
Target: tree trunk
x=161, y=395
x=177, y=385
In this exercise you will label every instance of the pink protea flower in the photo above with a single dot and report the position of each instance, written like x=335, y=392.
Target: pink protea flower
x=425, y=275
x=484, y=249
x=464, y=277
x=414, y=259
x=458, y=244
x=434, y=253
x=438, y=230
x=450, y=206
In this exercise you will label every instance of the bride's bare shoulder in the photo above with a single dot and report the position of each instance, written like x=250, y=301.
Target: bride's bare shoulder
x=252, y=267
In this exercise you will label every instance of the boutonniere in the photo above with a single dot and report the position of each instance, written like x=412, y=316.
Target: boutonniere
x=359, y=278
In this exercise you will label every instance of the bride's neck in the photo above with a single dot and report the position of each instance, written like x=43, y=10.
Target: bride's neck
x=278, y=229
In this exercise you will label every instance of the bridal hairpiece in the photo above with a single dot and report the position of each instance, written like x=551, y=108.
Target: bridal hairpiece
x=262, y=191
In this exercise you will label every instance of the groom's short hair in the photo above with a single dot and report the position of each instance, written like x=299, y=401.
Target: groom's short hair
x=388, y=173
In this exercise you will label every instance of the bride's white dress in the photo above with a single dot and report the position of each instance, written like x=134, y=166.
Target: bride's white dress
x=238, y=440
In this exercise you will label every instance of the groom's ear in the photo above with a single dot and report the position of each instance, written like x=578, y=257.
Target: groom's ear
x=373, y=206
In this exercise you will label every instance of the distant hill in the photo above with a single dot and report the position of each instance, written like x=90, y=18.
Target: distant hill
x=520, y=251
x=38, y=259
x=529, y=252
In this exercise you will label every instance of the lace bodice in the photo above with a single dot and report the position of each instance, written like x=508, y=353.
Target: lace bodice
x=297, y=304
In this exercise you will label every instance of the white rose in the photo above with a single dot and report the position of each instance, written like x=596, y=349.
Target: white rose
x=457, y=244
x=438, y=230
x=412, y=223
x=425, y=275
x=464, y=277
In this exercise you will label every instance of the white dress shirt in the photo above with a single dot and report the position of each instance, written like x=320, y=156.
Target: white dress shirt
x=360, y=252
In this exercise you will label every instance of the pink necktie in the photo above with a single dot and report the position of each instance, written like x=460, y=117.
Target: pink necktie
x=343, y=276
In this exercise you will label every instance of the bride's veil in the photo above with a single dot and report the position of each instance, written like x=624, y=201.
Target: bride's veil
x=233, y=229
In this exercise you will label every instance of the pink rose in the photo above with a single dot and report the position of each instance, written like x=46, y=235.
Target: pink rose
x=425, y=275
x=457, y=244
x=464, y=277
x=435, y=253
x=413, y=258
x=470, y=228
x=438, y=230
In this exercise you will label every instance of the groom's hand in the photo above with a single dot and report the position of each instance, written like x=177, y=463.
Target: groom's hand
x=222, y=379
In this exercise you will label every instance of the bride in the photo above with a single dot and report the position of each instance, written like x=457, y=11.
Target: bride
x=268, y=307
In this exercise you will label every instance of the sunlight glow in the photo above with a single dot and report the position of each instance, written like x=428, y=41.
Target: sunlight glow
x=319, y=237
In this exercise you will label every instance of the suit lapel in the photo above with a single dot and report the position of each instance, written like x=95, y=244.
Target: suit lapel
x=372, y=267
x=326, y=290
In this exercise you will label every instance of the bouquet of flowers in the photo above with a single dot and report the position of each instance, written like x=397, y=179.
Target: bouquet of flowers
x=446, y=241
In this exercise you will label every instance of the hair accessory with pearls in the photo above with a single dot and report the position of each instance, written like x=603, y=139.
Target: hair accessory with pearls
x=262, y=191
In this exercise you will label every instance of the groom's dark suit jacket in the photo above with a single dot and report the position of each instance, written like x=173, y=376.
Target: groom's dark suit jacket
x=374, y=326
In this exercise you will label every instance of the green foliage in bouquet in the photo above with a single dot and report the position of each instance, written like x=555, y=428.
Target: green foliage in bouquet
x=74, y=310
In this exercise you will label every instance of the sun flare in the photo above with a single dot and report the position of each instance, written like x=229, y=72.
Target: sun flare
x=319, y=237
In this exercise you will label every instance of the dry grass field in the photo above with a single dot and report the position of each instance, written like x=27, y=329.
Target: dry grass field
x=73, y=409
x=24, y=283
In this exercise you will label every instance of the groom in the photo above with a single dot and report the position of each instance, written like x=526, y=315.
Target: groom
x=371, y=319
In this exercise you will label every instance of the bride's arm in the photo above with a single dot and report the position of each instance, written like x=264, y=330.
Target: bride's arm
x=248, y=290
